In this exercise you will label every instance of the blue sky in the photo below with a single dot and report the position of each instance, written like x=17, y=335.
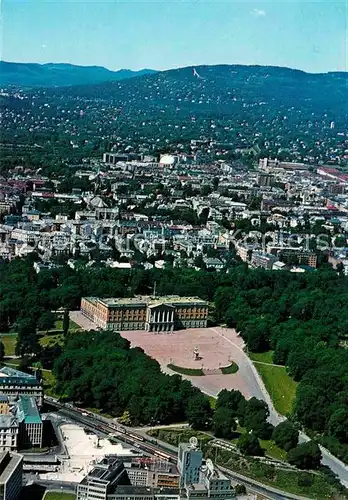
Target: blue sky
x=162, y=34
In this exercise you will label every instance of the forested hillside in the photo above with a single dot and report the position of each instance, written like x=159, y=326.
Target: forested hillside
x=54, y=75
x=223, y=90
x=260, y=110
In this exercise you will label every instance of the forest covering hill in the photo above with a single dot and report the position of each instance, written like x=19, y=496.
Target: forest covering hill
x=224, y=89
x=55, y=74
x=270, y=111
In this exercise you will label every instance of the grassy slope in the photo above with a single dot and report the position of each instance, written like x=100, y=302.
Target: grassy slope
x=72, y=326
x=280, y=386
x=9, y=342
x=286, y=480
x=263, y=357
x=51, y=339
x=271, y=449
x=49, y=383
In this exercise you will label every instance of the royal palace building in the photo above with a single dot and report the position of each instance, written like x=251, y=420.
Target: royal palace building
x=153, y=314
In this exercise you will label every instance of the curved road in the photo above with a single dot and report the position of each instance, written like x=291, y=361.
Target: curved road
x=258, y=389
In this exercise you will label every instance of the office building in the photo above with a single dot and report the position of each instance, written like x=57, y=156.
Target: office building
x=189, y=463
x=198, y=477
x=14, y=383
x=261, y=259
x=30, y=423
x=152, y=473
x=102, y=480
x=145, y=479
x=303, y=257
x=11, y=471
x=217, y=485
x=158, y=314
x=20, y=424
x=144, y=493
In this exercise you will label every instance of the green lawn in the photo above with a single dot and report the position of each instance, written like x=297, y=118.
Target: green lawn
x=212, y=402
x=272, y=450
x=51, y=339
x=49, y=383
x=193, y=372
x=72, y=326
x=232, y=368
x=53, y=495
x=264, y=357
x=279, y=385
x=9, y=342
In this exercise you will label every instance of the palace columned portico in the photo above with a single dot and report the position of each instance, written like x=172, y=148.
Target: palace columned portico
x=160, y=318
x=153, y=314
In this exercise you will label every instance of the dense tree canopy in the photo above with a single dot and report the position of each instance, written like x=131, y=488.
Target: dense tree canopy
x=99, y=369
x=248, y=444
x=285, y=435
x=302, y=318
x=305, y=456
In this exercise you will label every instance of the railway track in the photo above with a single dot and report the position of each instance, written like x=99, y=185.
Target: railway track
x=112, y=430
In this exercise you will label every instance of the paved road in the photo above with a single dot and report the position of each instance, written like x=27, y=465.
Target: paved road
x=254, y=379
x=81, y=320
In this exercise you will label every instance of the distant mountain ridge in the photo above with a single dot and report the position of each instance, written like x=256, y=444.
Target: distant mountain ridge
x=274, y=109
x=60, y=74
x=226, y=91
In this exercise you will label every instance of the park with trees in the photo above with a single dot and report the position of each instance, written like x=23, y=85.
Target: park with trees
x=301, y=318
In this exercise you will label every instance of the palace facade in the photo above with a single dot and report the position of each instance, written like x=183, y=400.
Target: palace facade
x=153, y=314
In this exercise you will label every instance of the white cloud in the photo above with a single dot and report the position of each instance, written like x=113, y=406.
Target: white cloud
x=258, y=12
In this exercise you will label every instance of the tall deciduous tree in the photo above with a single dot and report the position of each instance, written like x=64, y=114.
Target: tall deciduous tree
x=285, y=435
x=66, y=322
x=2, y=351
x=305, y=456
x=46, y=321
x=224, y=423
x=248, y=444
